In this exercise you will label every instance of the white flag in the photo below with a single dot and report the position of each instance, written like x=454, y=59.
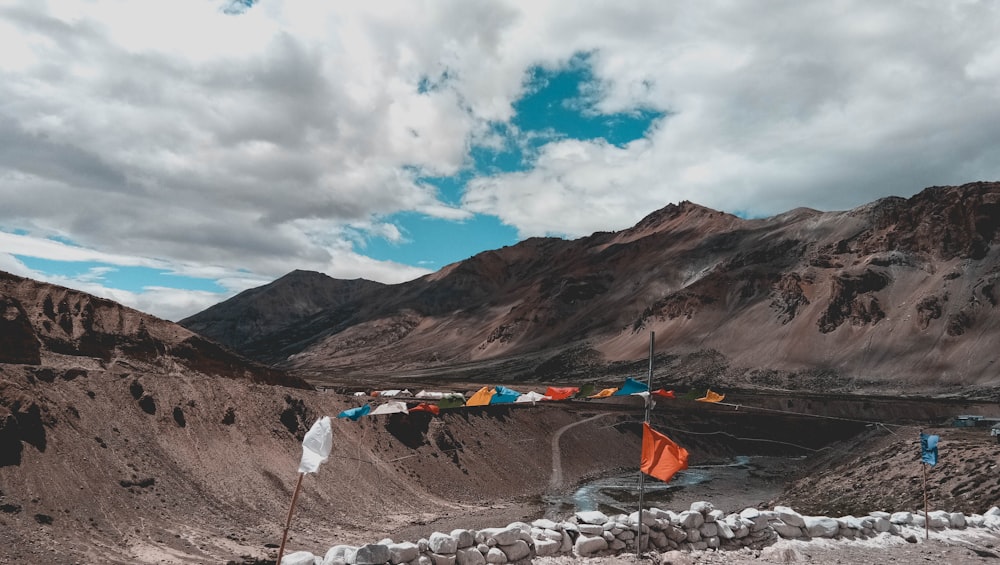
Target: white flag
x=316, y=446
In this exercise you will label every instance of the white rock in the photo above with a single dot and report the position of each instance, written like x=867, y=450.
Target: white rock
x=626, y=535
x=692, y=534
x=749, y=513
x=544, y=547
x=442, y=559
x=494, y=555
x=783, y=554
x=591, y=517
x=608, y=536
x=548, y=534
x=442, y=543
x=298, y=558
x=713, y=542
x=725, y=531
x=586, y=546
x=995, y=511
x=787, y=531
x=465, y=538
x=715, y=516
x=689, y=519
x=647, y=518
x=708, y=529
x=336, y=553
x=544, y=524
x=483, y=548
x=956, y=520
x=901, y=518
x=852, y=522
x=424, y=560
x=881, y=524
x=702, y=507
x=591, y=529
x=789, y=516
x=880, y=514
x=975, y=521
x=675, y=534
x=503, y=536
x=469, y=556
x=516, y=551
x=821, y=526
x=403, y=552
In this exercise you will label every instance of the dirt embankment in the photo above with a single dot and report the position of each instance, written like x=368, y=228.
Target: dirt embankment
x=116, y=465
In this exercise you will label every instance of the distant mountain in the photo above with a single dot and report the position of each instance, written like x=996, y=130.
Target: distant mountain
x=57, y=329
x=896, y=294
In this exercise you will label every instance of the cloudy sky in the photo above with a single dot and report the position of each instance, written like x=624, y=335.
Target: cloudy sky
x=168, y=155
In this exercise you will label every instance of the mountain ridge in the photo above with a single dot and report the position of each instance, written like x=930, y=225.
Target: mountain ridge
x=894, y=293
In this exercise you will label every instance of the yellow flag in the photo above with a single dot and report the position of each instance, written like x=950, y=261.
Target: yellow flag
x=711, y=397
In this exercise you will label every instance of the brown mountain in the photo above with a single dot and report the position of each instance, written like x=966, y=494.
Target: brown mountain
x=53, y=329
x=899, y=294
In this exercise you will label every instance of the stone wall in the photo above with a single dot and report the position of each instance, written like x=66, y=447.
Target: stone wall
x=587, y=534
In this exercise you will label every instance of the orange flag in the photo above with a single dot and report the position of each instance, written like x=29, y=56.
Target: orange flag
x=604, y=393
x=661, y=457
x=711, y=397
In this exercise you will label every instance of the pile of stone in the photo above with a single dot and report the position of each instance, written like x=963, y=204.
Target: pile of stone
x=593, y=533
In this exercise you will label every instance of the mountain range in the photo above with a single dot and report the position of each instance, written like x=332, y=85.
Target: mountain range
x=898, y=295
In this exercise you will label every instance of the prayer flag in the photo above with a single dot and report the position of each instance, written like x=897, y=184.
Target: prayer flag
x=928, y=449
x=661, y=457
x=711, y=397
x=561, y=393
x=355, y=413
x=481, y=398
x=664, y=393
x=424, y=407
x=316, y=446
x=605, y=393
x=631, y=386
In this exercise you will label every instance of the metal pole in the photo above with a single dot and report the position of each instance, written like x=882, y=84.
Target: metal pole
x=927, y=518
x=642, y=476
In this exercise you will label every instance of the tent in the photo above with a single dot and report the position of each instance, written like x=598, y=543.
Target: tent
x=481, y=398
x=390, y=408
x=504, y=395
x=631, y=386
x=561, y=393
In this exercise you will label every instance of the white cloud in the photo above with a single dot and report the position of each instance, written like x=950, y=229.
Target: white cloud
x=173, y=135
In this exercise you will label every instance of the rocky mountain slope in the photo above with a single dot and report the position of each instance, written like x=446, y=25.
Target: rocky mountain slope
x=899, y=294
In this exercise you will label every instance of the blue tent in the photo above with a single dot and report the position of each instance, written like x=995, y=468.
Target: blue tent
x=355, y=413
x=631, y=386
x=504, y=395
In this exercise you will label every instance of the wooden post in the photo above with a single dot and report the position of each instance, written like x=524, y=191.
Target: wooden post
x=288, y=520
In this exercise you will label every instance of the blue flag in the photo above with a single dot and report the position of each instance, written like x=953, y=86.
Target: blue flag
x=355, y=413
x=928, y=449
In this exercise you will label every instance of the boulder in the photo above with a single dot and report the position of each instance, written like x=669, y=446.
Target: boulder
x=821, y=526
x=591, y=517
x=544, y=524
x=502, y=536
x=469, y=556
x=702, y=507
x=956, y=520
x=648, y=517
x=586, y=546
x=689, y=519
x=548, y=534
x=715, y=516
x=544, y=547
x=901, y=518
x=336, y=554
x=298, y=558
x=443, y=559
x=403, y=552
x=724, y=530
x=786, y=531
x=975, y=521
x=516, y=551
x=783, y=554
x=789, y=516
x=881, y=524
x=591, y=529
x=465, y=538
x=692, y=534
x=713, y=542
x=494, y=555
x=442, y=543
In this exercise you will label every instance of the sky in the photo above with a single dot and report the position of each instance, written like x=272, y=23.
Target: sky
x=169, y=155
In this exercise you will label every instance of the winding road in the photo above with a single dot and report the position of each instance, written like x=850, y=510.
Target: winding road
x=556, y=480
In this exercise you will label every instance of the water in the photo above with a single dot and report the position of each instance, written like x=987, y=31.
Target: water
x=744, y=481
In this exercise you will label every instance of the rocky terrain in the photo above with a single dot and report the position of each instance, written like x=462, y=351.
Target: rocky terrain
x=899, y=294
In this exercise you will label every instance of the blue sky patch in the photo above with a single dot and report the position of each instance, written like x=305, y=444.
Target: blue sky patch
x=440, y=242
x=133, y=279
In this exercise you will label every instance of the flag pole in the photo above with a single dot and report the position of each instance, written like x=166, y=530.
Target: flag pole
x=923, y=468
x=288, y=520
x=645, y=419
